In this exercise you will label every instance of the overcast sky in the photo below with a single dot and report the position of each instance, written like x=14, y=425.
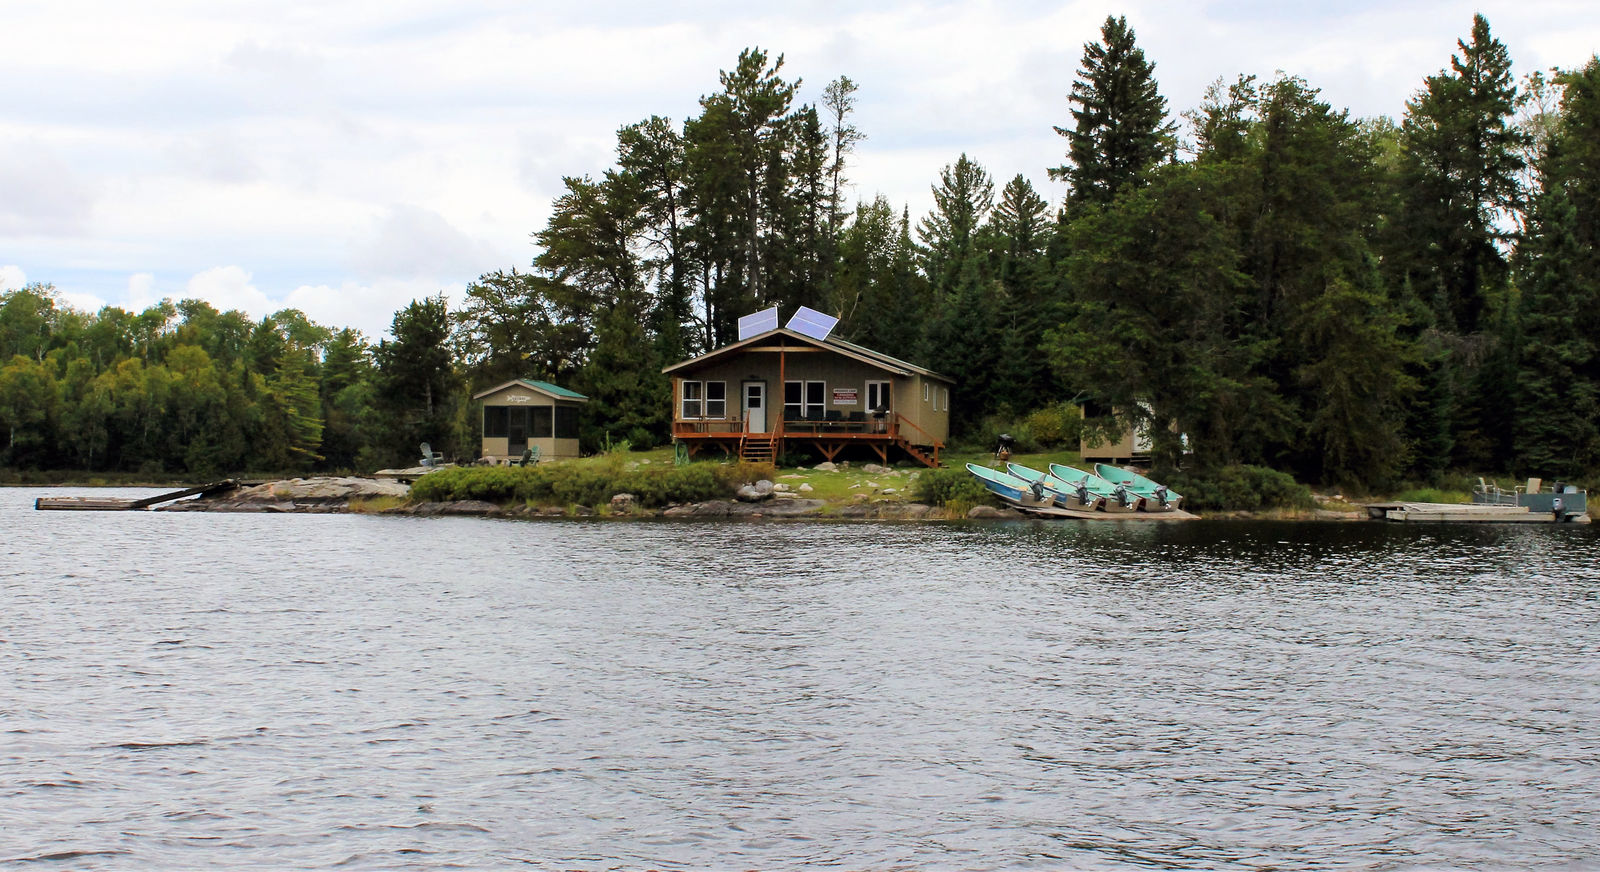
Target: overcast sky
x=346, y=158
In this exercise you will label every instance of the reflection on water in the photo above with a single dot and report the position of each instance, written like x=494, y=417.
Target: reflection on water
x=187, y=690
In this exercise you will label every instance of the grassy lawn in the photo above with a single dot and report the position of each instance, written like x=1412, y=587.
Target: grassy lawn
x=842, y=485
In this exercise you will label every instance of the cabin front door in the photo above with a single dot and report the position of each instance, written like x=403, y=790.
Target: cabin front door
x=755, y=406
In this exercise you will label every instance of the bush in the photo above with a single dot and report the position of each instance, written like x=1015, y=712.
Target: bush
x=946, y=486
x=738, y=472
x=1238, y=488
x=577, y=484
x=1058, y=426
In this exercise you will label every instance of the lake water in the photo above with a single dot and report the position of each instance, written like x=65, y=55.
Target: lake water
x=185, y=691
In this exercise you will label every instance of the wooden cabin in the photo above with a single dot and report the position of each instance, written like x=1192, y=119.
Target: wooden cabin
x=523, y=414
x=782, y=388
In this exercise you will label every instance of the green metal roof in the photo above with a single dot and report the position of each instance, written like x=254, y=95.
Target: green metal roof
x=547, y=388
x=553, y=389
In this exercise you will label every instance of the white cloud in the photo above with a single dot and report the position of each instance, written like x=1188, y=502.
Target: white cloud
x=411, y=242
x=370, y=307
x=358, y=154
x=224, y=287
x=41, y=194
x=12, y=277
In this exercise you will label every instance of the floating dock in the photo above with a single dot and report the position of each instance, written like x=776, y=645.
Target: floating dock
x=1469, y=513
x=125, y=504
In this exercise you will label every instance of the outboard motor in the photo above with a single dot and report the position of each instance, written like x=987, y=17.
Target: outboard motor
x=1558, y=509
x=1122, y=495
x=1083, y=492
x=1161, y=494
x=1003, y=450
x=1038, y=489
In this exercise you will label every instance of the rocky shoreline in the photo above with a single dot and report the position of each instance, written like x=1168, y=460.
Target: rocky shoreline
x=763, y=500
x=375, y=496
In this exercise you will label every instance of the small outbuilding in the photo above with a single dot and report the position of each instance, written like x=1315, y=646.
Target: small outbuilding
x=523, y=414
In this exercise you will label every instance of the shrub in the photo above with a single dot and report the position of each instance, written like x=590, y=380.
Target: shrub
x=738, y=472
x=1238, y=488
x=1058, y=426
x=947, y=486
x=577, y=483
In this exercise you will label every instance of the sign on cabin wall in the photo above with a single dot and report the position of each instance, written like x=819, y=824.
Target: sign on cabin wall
x=844, y=396
x=518, y=398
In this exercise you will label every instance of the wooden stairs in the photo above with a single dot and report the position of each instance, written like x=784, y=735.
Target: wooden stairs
x=759, y=447
x=920, y=455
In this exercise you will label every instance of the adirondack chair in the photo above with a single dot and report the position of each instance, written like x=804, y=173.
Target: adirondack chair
x=431, y=457
x=530, y=456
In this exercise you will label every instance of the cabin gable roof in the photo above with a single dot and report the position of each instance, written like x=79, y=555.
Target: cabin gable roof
x=838, y=346
x=555, y=392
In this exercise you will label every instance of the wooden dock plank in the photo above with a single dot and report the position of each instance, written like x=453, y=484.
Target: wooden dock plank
x=127, y=504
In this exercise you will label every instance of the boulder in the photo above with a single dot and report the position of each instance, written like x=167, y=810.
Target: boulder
x=874, y=469
x=991, y=512
x=469, y=507
x=826, y=466
x=624, y=502
x=806, y=488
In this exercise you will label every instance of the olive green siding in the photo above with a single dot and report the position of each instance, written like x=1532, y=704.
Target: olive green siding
x=839, y=374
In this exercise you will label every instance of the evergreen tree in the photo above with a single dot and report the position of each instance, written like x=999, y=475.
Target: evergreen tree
x=961, y=201
x=1020, y=229
x=417, y=389
x=1121, y=129
x=1459, y=183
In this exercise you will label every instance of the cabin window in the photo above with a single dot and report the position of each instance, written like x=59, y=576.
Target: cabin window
x=877, y=395
x=944, y=399
x=927, y=392
x=692, y=399
x=566, y=422
x=803, y=400
x=494, y=422
x=716, y=399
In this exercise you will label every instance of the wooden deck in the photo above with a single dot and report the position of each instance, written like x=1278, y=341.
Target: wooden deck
x=826, y=437
x=124, y=504
x=1467, y=513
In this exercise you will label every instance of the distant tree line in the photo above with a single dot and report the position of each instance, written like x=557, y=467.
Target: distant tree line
x=1264, y=279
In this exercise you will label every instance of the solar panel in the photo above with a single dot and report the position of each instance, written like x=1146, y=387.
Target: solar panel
x=758, y=323
x=810, y=322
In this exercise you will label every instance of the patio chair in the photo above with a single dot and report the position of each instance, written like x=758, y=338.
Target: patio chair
x=431, y=457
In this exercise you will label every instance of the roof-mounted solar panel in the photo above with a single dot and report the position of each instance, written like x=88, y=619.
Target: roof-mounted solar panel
x=758, y=323
x=810, y=322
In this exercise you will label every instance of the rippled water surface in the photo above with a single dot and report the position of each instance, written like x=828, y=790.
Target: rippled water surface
x=223, y=691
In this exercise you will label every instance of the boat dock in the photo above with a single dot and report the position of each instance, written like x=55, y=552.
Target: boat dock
x=1469, y=513
x=125, y=504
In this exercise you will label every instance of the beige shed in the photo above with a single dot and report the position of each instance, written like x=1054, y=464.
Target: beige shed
x=523, y=414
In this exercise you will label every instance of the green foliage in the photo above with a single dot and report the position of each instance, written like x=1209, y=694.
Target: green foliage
x=1120, y=129
x=1058, y=426
x=948, y=486
x=1239, y=488
x=1348, y=301
x=583, y=484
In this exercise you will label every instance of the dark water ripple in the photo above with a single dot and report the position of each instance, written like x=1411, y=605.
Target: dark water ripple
x=224, y=691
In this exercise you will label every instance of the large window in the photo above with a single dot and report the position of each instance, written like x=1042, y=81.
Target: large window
x=693, y=400
x=877, y=395
x=803, y=400
x=704, y=400
x=716, y=399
